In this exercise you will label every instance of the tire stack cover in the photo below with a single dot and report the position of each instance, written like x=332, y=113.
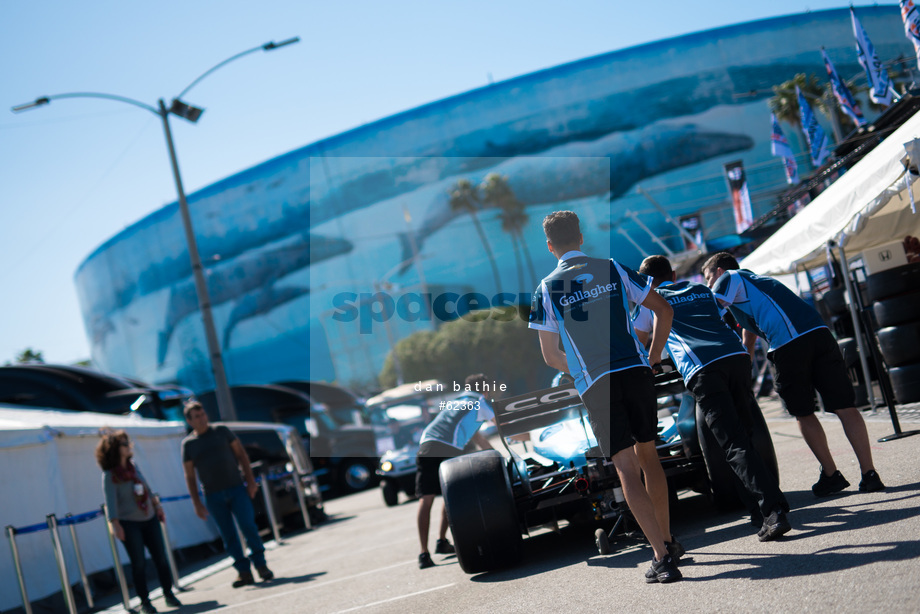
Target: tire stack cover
x=895, y=296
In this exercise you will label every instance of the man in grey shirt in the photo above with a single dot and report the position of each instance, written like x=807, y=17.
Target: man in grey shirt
x=217, y=456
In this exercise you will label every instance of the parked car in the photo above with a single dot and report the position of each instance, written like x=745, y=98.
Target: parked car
x=83, y=389
x=278, y=454
x=343, y=405
x=397, y=474
x=492, y=501
x=344, y=457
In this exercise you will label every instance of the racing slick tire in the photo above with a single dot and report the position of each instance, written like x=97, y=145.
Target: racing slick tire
x=894, y=281
x=905, y=381
x=900, y=344
x=390, y=490
x=835, y=301
x=897, y=309
x=481, y=511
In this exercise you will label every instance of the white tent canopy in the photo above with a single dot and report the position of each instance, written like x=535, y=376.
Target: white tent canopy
x=48, y=465
x=866, y=207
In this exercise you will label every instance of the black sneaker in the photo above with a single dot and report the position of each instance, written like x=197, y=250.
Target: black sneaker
x=829, y=484
x=675, y=549
x=265, y=573
x=424, y=561
x=171, y=601
x=147, y=607
x=443, y=547
x=774, y=526
x=244, y=579
x=663, y=571
x=871, y=482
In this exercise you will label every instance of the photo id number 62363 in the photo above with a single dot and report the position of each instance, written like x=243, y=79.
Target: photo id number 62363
x=462, y=405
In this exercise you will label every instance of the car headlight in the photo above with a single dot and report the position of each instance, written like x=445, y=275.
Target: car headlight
x=386, y=466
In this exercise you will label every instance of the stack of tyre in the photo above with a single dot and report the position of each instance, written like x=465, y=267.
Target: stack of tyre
x=895, y=296
x=833, y=308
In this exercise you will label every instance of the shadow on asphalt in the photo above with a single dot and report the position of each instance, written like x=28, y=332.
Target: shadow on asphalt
x=785, y=565
x=694, y=516
x=333, y=519
x=281, y=580
x=204, y=606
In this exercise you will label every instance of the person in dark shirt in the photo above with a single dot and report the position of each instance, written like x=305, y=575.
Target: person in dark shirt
x=583, y=304
x=216, y=455
x=806, y=358
x=717, y=371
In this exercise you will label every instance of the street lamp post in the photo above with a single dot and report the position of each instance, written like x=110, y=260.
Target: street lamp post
x=177, y=107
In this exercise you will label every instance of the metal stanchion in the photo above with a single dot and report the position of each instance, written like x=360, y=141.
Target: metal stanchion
x=61, y=563
x=169, y=550
x=302, y=501
x=76, y=550
x=119, y=571
x=11, y=534
x=270, y=509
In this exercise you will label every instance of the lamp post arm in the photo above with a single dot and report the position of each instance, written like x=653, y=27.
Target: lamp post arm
x=266, y=47
x=47, y=99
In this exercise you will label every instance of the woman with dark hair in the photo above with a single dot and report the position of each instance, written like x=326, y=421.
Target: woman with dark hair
x=134, y=515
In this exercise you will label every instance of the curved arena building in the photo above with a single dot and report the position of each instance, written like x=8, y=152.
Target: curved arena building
x=445, y=201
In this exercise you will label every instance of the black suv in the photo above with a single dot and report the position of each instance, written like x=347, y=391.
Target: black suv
x=82, y=389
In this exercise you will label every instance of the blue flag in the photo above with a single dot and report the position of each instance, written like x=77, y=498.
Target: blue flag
x=818, y=143
x=842, y=93
x=911, y=17
x=779, y=146
x=880, y=90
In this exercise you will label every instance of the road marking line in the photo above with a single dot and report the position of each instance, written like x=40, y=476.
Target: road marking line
x=308, y=587
x=368, y=605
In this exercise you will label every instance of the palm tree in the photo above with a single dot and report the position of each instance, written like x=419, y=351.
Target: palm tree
x=464, y=198
x=785, y=104
x=498, y=193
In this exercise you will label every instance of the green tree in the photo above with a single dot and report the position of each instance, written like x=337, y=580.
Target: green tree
x=29, y=355
x=496, y=192
x=465, y=198
x=496, y=343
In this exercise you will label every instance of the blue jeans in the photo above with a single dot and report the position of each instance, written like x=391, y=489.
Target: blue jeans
x=223, y=505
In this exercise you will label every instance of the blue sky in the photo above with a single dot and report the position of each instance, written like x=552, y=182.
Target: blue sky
x=76, y=172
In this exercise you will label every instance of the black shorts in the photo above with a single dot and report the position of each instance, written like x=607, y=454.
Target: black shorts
x=430, y=456
x=623, y=409
x=808, y=363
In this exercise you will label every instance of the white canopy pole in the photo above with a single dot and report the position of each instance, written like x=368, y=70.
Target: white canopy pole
x=857, y=325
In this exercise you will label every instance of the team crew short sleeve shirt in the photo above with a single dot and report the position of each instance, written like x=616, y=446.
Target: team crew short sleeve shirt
x=456, y=425
x=586, y=302
x=766, y=307
x=698, y=335
x=213, y=458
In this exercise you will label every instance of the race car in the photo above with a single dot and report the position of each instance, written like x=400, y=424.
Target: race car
x=493, y=500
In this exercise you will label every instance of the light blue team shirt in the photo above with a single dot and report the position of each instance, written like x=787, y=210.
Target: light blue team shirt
x=766, y=307
x=698, y=335
x=456, y=427
x=586, y=302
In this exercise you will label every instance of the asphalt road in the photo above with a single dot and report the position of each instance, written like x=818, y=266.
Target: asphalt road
x=850, y=553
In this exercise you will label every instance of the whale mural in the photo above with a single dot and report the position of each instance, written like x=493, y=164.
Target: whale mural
x=283, y=237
